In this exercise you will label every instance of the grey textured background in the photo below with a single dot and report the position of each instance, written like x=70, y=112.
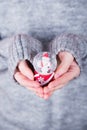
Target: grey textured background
x=21, y=109
x=43, y=18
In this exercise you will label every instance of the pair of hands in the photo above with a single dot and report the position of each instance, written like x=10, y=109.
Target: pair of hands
x=66, y=71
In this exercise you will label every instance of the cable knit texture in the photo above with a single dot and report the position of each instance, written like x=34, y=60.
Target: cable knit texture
x=21, y=48
x=73, y=44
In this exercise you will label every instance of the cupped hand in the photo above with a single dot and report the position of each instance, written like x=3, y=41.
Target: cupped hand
x=25, y=77
x=66, y=71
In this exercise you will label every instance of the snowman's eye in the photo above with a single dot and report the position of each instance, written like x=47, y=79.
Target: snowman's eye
x=48, y=71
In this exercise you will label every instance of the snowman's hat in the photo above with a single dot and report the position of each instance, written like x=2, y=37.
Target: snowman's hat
x=45, y=55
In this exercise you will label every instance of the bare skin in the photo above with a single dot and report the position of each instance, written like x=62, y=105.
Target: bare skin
x=66, y=71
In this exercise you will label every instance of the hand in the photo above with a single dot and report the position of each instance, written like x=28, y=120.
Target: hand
x=24, y=76
x=66, y=71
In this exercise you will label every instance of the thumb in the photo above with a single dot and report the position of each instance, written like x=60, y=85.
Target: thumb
x=25, y=70
x=66, y=61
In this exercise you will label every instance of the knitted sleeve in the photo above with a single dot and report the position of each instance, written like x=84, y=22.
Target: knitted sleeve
x=16, y=48
x=22, y=47
x=75, y=44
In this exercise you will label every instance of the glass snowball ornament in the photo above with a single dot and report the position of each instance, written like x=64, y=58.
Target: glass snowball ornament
x=44, y=64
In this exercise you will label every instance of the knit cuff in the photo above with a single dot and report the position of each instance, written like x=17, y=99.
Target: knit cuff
x=75, y=44
x=22, y=47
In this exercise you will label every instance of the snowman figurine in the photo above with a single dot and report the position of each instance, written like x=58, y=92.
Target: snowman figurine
x=44, y=65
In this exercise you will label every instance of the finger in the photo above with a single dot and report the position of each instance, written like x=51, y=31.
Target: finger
x=24, y=81
x=48, y=95
x=52, y=89
x=71, y=74
x=25, y=70
x=40, y=94
x=46, y=89
x=64, y=55
x=56, y=88
x=36, y=90
x=31, y=88
x=40, y=90
x=75, y=67
x=44, y=94
x=66, y=61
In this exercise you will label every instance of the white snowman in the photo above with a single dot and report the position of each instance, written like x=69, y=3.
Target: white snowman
x=45, y=64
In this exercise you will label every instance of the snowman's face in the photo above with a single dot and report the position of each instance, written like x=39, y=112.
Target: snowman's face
x=45, y=61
